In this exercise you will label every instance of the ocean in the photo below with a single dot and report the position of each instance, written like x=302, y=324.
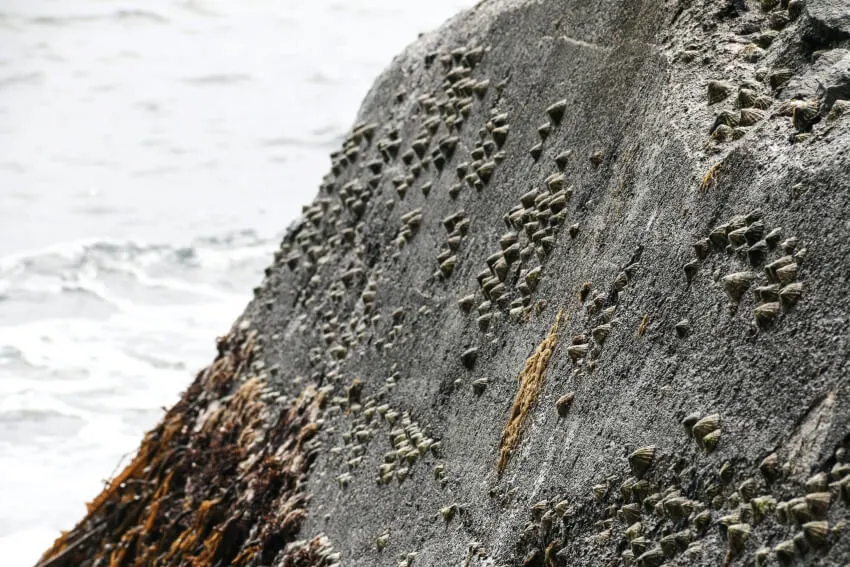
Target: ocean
x=151, y=155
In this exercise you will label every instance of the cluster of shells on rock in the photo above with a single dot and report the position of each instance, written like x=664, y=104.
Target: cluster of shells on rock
x=410, y=442
x=600, y=307
x=457, y=227
x=771, y=264
x=372, y=154
x=747, y=99
x=533, y=227
x=749, y=107
x=654, y=518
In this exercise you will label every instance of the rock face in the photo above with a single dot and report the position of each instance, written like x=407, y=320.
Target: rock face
x=575, y=292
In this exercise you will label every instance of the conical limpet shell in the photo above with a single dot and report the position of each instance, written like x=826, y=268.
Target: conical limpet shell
x=448, y=513
x=668, y=545
x=630, y=513
x=702, y=248
x=555, y=182
x=641, y=460
x=735, y=285
x=737, y=535
x=757, y=252
x=787, y=274
x=556, y=111
x=500, y=268
x=562, y=158
x=790, y=294
x=465, y=303
x=748, y=489
x=705, y=426
x=786, y=552
x=469, y=357
x=718, y=236
x=689, y=422
x=751, y=116
x=754, y=232
x=702, y=520
x=767, y=293
x=447, y=267
x=577, y=352
x=478, y=386
x=805, y=114
x=564, y=404
x=819, y=503
x=500, y=135
x=816, y=533
x=771, y=269
x=817, y=483
x=737, y=237
x=710, y=441
x=600, y=333
x=532, y=278
x=639, y=545
x=652, y=558
x=718, y=90
x=762, y=506
x=769, y=467
x=599, y=491
x=691, y=269
x=766, y=314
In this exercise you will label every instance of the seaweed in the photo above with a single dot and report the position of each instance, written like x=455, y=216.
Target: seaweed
x=531, y=381
x=203, y=490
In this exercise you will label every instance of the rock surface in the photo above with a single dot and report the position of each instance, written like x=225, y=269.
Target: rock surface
x=573, y=293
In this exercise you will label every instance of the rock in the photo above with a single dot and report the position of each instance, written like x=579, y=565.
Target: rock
x=827, y=79
x=826, y=21
x=835, y=82
x=391, y=400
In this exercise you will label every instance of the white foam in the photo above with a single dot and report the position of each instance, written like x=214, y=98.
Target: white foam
x=23, y=548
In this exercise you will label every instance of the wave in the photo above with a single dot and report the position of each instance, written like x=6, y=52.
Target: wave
x=117, y=323
x=21, y=79
x=23, y=547
x=117, y=15
x=218, y=79
x=122, y=274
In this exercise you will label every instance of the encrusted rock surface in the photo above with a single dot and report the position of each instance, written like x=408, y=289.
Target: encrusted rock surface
x=575, y=292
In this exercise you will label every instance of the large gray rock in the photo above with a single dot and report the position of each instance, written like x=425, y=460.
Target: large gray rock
x=828, y=20
x=673, y=248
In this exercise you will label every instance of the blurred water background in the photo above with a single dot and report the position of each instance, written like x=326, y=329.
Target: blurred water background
x=151, y=154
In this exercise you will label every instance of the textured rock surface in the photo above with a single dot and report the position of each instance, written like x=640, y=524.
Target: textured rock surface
x=559, y=231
